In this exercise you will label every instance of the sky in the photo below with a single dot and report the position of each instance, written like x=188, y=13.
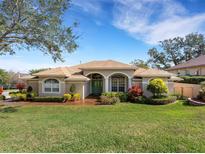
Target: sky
x=121, y=30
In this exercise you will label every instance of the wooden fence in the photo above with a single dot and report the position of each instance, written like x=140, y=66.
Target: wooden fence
x=188, y=90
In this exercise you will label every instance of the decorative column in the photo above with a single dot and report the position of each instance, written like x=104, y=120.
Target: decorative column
x=83, y=96
x=106, y=84
x=129, y=82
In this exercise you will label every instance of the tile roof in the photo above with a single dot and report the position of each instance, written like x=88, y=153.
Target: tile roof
x=199, y=61
x=141, y=72
x=105, y=64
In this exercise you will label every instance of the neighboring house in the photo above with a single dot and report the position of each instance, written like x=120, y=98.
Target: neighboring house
x=194, y=66
x=94, y=78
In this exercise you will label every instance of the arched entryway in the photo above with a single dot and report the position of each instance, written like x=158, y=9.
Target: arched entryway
x=118, y=82
x=96, y=84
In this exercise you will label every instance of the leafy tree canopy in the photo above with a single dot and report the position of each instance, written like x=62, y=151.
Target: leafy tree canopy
x=140, y=63
x=35, y=24
x=177, y=50
x=4, y=76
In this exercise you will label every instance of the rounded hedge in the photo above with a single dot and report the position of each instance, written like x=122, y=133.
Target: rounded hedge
x=161, y=101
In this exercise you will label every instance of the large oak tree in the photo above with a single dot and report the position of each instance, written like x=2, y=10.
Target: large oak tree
x=177, y=50
x=36, y=24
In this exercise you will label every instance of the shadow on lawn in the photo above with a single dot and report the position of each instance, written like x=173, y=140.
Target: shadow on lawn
x=9, y=109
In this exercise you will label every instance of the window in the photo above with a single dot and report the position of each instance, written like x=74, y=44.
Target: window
x=51, y=86
x=187, y=72
x=118, y=84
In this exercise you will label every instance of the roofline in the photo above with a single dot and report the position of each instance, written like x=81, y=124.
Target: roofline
x=169, y=69
x=111, y=68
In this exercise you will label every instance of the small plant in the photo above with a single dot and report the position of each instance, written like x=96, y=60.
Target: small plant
x=72, y=89
x=202, y=92
x=157, y=87
x=1, y=90
x=20, y=86
x=121, y=95
x=76, y=97
x=134, y=93
x=29, y=89
x=106, y=100
x=2, y=97
x=67, y=97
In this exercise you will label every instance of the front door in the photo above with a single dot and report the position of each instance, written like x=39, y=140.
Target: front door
x=97, y=87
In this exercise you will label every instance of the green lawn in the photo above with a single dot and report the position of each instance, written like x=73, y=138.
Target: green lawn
x=119, y=128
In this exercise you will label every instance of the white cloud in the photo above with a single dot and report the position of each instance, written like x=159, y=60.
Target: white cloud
x=89, y=6
x=155, y=20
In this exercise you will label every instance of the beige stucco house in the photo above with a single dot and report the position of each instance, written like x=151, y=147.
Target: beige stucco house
x=194, y=66
x=94, y=78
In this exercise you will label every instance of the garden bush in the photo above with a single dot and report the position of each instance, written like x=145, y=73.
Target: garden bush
x=192, y=79
x=179, y=96
x=201, y=95
x=18, y=96
x=161, y=101
x=76, y=97
x=1, y=90
x=123, y=96
x=157, y=87
x=48, y=99
x=22, y=96
x=67, y=97
x=107, y=100
x=20, y=86
x=2, y=97
x=135, y=93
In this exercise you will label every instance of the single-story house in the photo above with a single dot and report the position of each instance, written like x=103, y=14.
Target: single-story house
x=94, y=78
x=194, y=66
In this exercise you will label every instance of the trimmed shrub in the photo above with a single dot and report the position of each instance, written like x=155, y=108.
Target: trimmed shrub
x=76, y=97
x=157, y=87
x=121, y=95
x=20, y=86
x=67, y=97
x=179, y=96
x=18, y=96
x=134, y=93
x=48, y=99
x=201, y=94
x=2, y=97
x=1, y=90
x=192, y=79
x=29, y=89
x=161, y=101
x=106, y=100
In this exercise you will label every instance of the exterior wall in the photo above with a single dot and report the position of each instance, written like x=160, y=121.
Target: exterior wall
x=188, y=90
x=191, y=71
x=81, y=88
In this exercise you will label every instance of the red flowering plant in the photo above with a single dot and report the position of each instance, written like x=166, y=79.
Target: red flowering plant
x=20, y=86
x=135, y=93
x=1, y=90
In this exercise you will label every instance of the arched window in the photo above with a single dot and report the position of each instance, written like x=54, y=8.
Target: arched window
x=51, y=86
x=118, y=83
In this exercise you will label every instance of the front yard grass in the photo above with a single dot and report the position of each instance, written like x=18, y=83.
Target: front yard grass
x=122, y=127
